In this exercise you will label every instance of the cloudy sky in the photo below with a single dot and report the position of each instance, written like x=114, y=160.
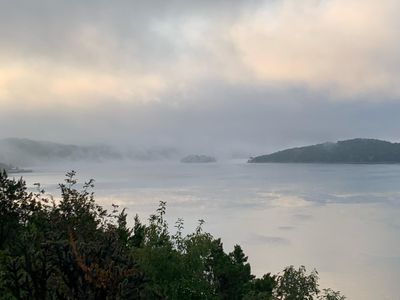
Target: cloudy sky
x=237, y=76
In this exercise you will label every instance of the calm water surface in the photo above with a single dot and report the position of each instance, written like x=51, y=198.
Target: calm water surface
x=343, y=220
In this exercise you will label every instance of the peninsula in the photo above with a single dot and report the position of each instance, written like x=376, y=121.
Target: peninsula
x=358, y=150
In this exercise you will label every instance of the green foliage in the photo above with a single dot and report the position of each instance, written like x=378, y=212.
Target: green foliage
x=261, y=288
x=296, y=284
x=73, y=248
x=70, y=249
x=329, y=294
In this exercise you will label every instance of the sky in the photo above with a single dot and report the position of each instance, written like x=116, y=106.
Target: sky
x=237, y=77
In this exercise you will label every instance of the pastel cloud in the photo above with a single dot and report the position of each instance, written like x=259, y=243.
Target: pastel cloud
x=346, y=46
x=199, y=73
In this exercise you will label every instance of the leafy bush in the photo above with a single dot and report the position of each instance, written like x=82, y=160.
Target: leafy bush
x=75, y=249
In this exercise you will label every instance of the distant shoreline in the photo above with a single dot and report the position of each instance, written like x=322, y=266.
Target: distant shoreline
x=355, y=151
x=19, y=171
x=324, y=163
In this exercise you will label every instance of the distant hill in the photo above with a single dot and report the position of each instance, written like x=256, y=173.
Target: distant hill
x=11, y=169
x=26, y=152
x=348, y=151
x=4, y=167
x=198, y=159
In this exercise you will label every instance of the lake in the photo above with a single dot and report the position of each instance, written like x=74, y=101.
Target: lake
x=342, y=220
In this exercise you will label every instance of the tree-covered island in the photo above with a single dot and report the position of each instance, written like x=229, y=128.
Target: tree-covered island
x=348, y=151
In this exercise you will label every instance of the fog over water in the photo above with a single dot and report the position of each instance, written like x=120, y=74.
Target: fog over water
x=341, y=219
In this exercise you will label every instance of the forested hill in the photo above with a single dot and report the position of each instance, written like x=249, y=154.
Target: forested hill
x=348, y=151
x=26, y=152
x=4, y=167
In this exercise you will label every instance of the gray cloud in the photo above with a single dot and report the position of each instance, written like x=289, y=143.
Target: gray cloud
x=271, y=240
x=126, y=31
x=197, y=74
x=286, y=227
x=302, y=217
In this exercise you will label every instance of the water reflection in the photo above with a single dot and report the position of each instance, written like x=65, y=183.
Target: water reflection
x=341, y=219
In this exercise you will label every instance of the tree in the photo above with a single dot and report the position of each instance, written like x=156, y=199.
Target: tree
x=297, y=285
x=72, y=249
x=262, y=288
x=329, y=294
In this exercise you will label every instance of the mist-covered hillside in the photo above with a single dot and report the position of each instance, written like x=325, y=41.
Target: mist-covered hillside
x=4, y=167
x=348, y=151
x=195, y=158
x=23, y=152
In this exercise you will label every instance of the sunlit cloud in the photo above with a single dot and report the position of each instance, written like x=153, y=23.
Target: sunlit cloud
x=349, y=47
x=38, y=84
x=213, y=70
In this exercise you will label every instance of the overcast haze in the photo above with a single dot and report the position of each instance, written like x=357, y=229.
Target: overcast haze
x=219, y=76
